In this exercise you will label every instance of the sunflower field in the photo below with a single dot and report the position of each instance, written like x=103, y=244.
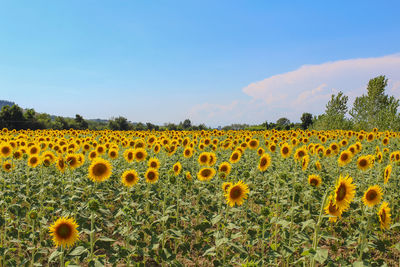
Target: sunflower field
x=199, y=198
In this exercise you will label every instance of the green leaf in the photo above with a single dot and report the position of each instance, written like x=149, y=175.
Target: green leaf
x=78, y=251
x=321, y=255
x=54, y=255
x=106, y=239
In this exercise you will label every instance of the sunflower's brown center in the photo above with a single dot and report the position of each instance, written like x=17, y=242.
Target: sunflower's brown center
x=99, y=169
x=386, y=173
x=344, y=157
x=61, y=163
x=370, y=137
x=263, y=162
x=371, y=195
x=224, y=168
x=139, y=155
x=352, y=150
x=341, y=192
x=397, y=156
x=235, y=192
x=385, y=141
x=314, y=182
x=34, y=150
x=206, y=173
x=253, y=143
x=328, y=151
x=151, y=176
x=64, y=231
x=33, y=160
x=113, y=154
x=130, y=155
x=334, y=147
x=332, y=208
x=203, y=158
x=46, y=162
x=363, y=163
x=383, y=215
x=227, y=187
x=100, y=149
x=301, y=153
x=130, y=177
x=187, y=152
x=71, y=161
x=5, y=150
x=7, y=166
x=176, y=168
x=153, y=164
x=285, y=150
x=272, y=148
x=235, y=156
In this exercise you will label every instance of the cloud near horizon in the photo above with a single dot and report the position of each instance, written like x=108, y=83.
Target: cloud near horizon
x=306, y=89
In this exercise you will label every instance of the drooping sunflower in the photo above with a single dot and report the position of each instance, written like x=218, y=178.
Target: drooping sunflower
x=129, y=155
x=225, y=167
x=332, y=209
x=384, y=215
x=314, y=180
x=372, y=196
x=236, y=194
x=364, y=163
x=387, y=173
x=130, y=178
x=344, y=192
x=64, y=232
x=33, y=161
x=99, y=170
x=154, y=163
x=344, y=158
x=206, y=174
x=235, y=157
x=177, y=168
x=140, y=154
x=203, y=158
x=286, y=150
x=225, y=186
x=60, y=164
x=265, y=162
x=151, y=176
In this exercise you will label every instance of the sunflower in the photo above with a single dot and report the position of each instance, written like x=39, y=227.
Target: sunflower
x=304, y=162
x=225, y=167
x=113, y=153
x=129, y=178
x=212, y=159
x=100, y=149
x=154, y=163
x=206, y=174
x=344, y=192
x=253, y=144
x=72, y=161
x=188, y=176
x=344, y=158
x=60, y=164
x=260, y=151
x=265, y=162
x=100, y=170
x=204, y=158
x=332, y=209
x=33, y=150
x=18, y=154
x=314, y=180
x=372, y=196
x=384, y=215
x=364, y=163
x=300, y=153
x=7, y=166
x=387, y=173
x=177, y=168
x=92, y=155
x=64, y=232
x=225, y=186
x=236, y=194
x=235, y=157
x=318, y=165
x=285, y=150
x=151, y=175
x=188, y=152
x=140, y=154
x=33, y=161
x=5, y=150
x=129, y=155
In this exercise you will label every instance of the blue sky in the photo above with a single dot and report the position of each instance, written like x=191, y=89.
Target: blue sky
x=214, y=62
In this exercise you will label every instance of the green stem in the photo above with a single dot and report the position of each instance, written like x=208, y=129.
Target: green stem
x=62, y=257
x=92, y=235
x=315, y=238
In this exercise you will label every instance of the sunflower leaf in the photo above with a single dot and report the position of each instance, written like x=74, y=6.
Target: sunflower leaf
x=78, y=251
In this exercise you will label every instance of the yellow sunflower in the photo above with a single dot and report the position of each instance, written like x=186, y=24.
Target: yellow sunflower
x=314, y=180
x=235, y=157
x=100, y=170
x=72, y=161
x=364, y=163
x=212, y=159
x=304, y=162
x=154, y=163
x=344, y=192
x=7, y=166
x=384, y=215
x=130, y=178
x=387, y=173
x=318, y=165
x=129, y=155
x=151, y=176
x=285, y=150
x=188, y=152
x=236, y=194
x=225, y=167
x=188, y=176
x=206, y=174
x=265, y=162
x=332, y=209
x=140, y=154
x=113, y=153
x=33, y=161
x=225, y=186
x=372, y=196
x=5, y=150
x=204, y=158
x=344, y=158
x=177, y=168
x=300, y=153
x=60, y=164
x=64, y=232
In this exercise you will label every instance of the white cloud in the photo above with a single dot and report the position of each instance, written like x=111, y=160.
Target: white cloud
x=308, y=88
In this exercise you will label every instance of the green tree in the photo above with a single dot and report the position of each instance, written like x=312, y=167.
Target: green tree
x=80, y=122
x=375, y=109
x=120, y=124
x=306, y=120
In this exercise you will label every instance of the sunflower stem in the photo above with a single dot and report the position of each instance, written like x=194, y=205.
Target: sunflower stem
x=315, y=238
x=91, y=235
x=62, y=257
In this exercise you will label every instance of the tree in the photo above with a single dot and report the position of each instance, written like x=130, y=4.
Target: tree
x=120, y=124
x=60, y=123
x=306, y=120
x=80, y=122
x=283, y=123
x=375, y=109
x=187, y=124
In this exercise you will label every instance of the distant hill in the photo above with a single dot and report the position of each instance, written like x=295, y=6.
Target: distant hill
x=5, y=103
